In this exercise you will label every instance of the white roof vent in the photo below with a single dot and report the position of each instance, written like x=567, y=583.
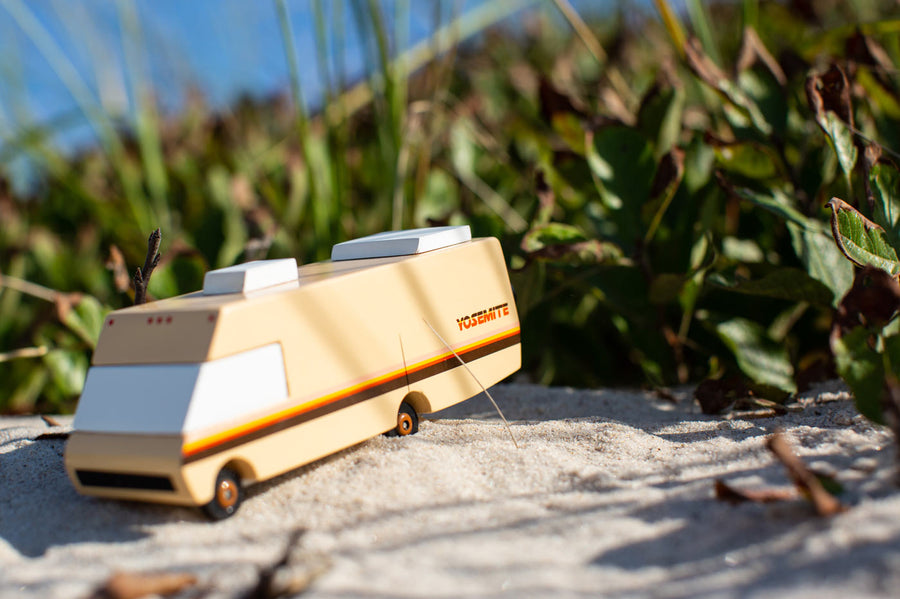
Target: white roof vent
x=250, y=276
x=400, y=243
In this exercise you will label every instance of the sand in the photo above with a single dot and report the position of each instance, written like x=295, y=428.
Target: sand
x=609, y=494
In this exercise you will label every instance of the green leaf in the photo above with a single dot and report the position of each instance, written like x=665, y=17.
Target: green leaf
x=579, y=253
x=757, y=356
x=24, y=397
x=571, y=129
x=713, y=76
x=884, y=181
x=822, y=259
x=742, y=250
x=698, y=164
x=777, y=202
x=68, y=370
x=666, y=288
x=622, y=160
x=233, y=231
x=785, y=321
x=860, y=240
x=529, y=284
x=877, y=94
x=462, y=150
x=439, y=199
x=863, y=370
x=748, y=159
x=659, y=117
x=666, y=182
x=764, y=87
x=703, y=257
x=86, y=319
x=163, y=282
x=842, y=139
x=551, y=234
x=788, y=284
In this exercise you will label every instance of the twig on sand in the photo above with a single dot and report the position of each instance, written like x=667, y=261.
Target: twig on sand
x=806, y=481
x=284, y=579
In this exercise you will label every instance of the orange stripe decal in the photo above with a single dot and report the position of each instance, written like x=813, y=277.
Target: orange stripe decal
x=194, y=447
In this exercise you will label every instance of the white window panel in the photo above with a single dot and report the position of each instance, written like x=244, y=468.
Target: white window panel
x=181, y=398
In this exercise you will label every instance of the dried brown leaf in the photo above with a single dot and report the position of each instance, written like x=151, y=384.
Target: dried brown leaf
x=872, y=301
x=64, y=303
x=871, y=157
x=725, y=492
x=612, y=102
x=752, y=414
x=554, y=101
x=806, y=482
x=50, y=420
x=865, y=50
x=116, y=264
x=665, y=394
x=702, y=65
x=134, y=585
x=669, y=172
x=717, y=395
x=759, y=403
x=830, y=91
x=753, y=50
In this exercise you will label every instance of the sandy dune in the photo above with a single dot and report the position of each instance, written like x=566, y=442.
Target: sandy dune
x=609, y=494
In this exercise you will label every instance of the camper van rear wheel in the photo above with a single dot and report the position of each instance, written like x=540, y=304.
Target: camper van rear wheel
x=227, y=497
x=407, y=420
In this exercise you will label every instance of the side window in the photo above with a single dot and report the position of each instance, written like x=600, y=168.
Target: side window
x=237, y=389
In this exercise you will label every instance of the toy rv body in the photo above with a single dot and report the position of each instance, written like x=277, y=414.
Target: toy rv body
x=270, y=368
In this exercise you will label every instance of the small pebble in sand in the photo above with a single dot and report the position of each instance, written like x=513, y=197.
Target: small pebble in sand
x=865, y=464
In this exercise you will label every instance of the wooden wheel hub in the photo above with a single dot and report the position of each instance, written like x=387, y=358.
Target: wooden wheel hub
x=404, y=424
x=227, y=493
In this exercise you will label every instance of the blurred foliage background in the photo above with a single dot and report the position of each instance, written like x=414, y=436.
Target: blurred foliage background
x=658, y=180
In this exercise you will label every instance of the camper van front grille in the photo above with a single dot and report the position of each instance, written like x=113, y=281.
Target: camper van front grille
x=119, y=480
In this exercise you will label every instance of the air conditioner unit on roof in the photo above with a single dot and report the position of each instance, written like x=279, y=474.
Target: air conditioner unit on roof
x=250, y=276
x=400, y=243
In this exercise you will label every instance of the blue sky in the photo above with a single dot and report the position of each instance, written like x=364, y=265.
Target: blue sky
x=221, y=47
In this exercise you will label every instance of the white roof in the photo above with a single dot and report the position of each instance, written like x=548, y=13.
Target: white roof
x=400, y=243
x=250, y=276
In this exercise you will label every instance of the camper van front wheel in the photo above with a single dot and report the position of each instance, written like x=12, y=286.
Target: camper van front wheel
x=407, y=420
x=228, y=495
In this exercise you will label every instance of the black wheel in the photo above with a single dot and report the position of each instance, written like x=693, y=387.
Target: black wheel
x=407, y=421
x=228, y=495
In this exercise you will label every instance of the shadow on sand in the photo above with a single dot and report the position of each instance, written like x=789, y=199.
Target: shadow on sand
x=39, y=507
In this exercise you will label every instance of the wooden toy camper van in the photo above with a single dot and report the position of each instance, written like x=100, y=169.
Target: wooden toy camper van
x=268, y=368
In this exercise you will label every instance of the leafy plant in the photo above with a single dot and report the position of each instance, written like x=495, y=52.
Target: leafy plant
x=660, y=188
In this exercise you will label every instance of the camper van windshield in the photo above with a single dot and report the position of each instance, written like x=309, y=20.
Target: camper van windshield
x=181, y=398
